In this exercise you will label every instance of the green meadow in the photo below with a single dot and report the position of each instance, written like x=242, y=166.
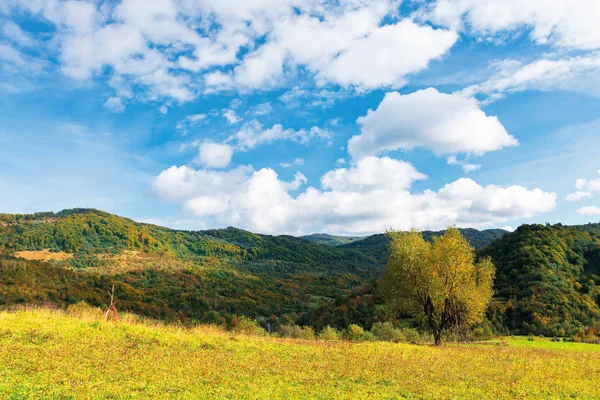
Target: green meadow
x=48, y=354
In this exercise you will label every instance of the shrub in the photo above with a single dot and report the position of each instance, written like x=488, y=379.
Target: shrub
x=297, y=332
x=329, y=333
x=249, y=327
x=368, y=337
x=84, y=311
x=411, y=335
x=387, y=332
x=354, y=333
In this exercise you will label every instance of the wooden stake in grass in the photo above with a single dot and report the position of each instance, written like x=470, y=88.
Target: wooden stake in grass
x=111, y=313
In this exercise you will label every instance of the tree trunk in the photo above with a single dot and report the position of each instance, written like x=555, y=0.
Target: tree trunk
x=437, y=337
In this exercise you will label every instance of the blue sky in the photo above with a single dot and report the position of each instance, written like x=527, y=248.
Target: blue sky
x=288, y=116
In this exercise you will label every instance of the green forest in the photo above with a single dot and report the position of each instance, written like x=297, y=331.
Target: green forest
x=547, y=279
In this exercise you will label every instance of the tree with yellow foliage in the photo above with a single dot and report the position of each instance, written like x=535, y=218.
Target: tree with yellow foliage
x=439, y=282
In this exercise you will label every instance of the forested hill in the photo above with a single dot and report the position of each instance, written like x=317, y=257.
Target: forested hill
x=331, y=240
x=376, y=246
x=76, y=254
x=548, y=278
x=375, y=243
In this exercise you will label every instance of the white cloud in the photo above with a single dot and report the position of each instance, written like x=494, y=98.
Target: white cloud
x=179, y=184
x=591, y=210
x=9, y=54
x=253, y=134
x=190, y=121
x=262, y=69
x=231, y=117
x=446, y=123
x=586, y=188
x=114, y=104
x=565, y=23
x=263, y=109
x=297, y=97
x=464, y=165
x=372, y=173
x=388, y=55
x=13, y=32
x=296, y=162
x=575, y=74
x=215, y=155
x=299, y=180
x=367, y=197
x=177, y=50
x=578, y=196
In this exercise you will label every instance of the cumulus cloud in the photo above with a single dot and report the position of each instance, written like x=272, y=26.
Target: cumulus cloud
x=368, y=196
x=586, y=188
x=591, y=210
x=215, y=155
x=571, y=24
x=445, y=123
x=382, y=59
x=464, y=165
x=114, y=104
x=231, y=117
x=263, y=109
x=177, y=50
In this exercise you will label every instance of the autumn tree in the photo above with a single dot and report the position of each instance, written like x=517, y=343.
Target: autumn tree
x=439, y=282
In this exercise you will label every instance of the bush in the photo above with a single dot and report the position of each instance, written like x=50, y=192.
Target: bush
x=368, y=337
x=84, y=311
x=249, y=327
x=297, y=332
x=354, y=333
x=329, y=333
x=411, y=335
x=387, y=332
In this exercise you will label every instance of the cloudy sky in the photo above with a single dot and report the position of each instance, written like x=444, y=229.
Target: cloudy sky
x=301, y=116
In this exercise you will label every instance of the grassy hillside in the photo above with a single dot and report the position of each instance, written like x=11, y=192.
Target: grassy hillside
x=51, y=355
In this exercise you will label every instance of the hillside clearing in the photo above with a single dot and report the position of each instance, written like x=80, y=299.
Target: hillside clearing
x=43, y=255
x=48, y=354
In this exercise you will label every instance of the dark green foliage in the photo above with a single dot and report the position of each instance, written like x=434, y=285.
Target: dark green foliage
x=331, y=240
x=547, y=279
x=376, y=246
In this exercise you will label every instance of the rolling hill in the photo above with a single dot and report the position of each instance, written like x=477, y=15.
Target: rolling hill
x=548, y=277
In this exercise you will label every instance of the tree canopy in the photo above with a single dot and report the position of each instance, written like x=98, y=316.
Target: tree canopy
x=439, y=282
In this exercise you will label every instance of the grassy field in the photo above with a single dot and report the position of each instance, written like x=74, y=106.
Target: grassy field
x=48, y=354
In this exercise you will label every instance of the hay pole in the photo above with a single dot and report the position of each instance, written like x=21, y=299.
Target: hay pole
x=111, y=312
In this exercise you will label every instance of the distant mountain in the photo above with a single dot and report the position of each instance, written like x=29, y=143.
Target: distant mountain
x=331, y=240
x=376, y=245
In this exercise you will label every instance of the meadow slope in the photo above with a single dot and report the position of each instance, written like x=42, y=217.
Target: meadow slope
x=49, y=354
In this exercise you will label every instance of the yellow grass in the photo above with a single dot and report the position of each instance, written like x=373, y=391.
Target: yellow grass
x=43, y=255
x=49, y=354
